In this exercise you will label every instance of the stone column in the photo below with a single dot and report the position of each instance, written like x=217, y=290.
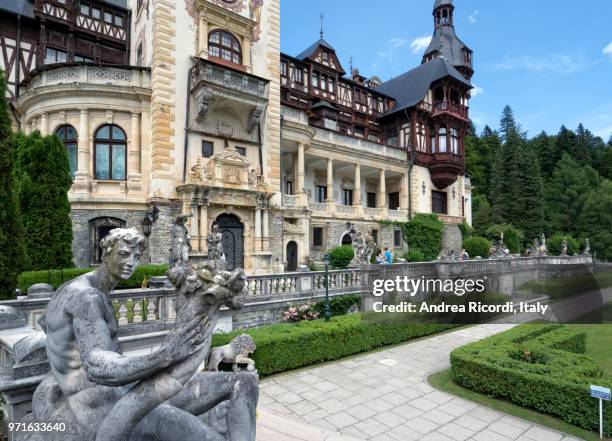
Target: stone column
x=44, y=124
x=300, y=175
x=133, y=159
x=203, y=37
x=258, y=228
x=266, y=229
x=357, y=191
x=404, y=193
x=203, y=228
x=28, y=127
x=195, y=226
x=382, y=189
x=81, y=177
x=330, y=182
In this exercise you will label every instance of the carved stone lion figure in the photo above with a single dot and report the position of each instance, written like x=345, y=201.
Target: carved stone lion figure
x=236, y=352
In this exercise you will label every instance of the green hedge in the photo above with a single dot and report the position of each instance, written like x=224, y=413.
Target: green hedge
x=536, y=366
x=57, y=277
x=554, y=244
x=283, y=347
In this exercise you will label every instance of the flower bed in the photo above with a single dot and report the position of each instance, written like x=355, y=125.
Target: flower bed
x=537, y=366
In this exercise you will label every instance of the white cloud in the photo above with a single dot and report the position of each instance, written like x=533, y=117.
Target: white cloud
x=419, y=44
x=556, y=63
x=472, y=18
x=476, y=91
x=608, y=50
x=398, y=42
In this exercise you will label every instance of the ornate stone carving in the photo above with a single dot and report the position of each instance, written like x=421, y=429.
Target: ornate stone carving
x=215, y=244
x=69, y=75
x=255, y=117
x=203, y=103
x=587, y=248
x=235, y=353
x=109, y=74
x=231, y=175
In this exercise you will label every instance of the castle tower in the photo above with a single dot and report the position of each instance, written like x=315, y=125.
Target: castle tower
x=445, y=43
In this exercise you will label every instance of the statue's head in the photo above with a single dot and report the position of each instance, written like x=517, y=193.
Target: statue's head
x=121, y=250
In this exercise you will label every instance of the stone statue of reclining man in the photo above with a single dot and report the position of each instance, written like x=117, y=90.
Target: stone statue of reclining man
x=104, y=395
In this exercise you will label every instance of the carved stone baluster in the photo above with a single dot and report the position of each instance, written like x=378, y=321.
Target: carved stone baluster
x=122, y=313
x=137, y=311
x=151, y=309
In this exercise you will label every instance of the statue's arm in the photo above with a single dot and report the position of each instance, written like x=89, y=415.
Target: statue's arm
x=101, y=363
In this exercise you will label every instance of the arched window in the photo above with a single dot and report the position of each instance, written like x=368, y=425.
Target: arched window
x=68, y=135
x=222, y=44
x=110, y=152
x=442, y=139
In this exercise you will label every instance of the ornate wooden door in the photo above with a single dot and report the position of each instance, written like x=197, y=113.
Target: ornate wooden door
x=233, y=240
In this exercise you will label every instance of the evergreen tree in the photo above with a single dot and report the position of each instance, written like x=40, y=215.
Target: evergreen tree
x=565, y=194
x=44, y=178
x=544, y=146
x=12, y=249
x=507, y=123
x=605, y=167
x=481, y=214
x=595, y=222
x=531, y=217
x=585, y=143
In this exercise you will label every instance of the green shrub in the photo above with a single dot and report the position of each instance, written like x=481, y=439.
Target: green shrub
x=424, y=232
x=414, y=255
x=338, y=305
x=477, y=246
x=340, y=257
x=554, y=244
x=466, y=230
x=283, y=347
x=57, y=277
x=536, y=366
x=513, y=237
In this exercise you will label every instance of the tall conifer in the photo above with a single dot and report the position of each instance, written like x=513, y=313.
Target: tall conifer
x=12, y=249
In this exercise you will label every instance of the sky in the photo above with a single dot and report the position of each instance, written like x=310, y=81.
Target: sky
x=551, y=61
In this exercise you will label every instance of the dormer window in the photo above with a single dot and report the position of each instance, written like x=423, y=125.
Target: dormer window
x=325, y=56
x=222, y=44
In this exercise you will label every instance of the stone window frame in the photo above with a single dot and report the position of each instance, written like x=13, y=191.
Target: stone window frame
x=111, y=141
x=68, y=143
x=397, y=238
x=312, y=244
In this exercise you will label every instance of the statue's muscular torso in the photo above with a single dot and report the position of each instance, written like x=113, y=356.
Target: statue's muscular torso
x=65, y=346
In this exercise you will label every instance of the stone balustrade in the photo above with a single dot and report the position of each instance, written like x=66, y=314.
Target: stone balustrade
x=93, y=74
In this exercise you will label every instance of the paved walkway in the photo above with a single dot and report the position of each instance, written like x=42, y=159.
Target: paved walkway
x=384, y=396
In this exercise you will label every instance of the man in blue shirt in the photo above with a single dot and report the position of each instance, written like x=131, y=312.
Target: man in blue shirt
x=388, y=256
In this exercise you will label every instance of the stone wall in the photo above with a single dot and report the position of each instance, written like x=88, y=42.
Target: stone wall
x=82, y=231
x=452, y=238
x=160, y=240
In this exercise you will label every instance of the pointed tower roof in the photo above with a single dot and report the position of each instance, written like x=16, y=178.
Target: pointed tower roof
x=445, y=42
x=312, y=52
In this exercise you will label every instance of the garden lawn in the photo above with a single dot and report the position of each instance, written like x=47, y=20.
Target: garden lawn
x=599, y=344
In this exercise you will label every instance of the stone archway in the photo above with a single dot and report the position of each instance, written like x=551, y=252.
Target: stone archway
x=346, y=239
x=99, y=228
x=233, y=239
x=292, y=255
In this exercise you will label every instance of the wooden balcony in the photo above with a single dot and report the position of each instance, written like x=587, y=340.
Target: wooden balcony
x=447, y=107
x=443, y=167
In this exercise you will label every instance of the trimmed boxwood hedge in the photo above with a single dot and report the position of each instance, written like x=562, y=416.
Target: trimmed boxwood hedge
x=57, y=277
x=283, y=347
x=536, y=366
